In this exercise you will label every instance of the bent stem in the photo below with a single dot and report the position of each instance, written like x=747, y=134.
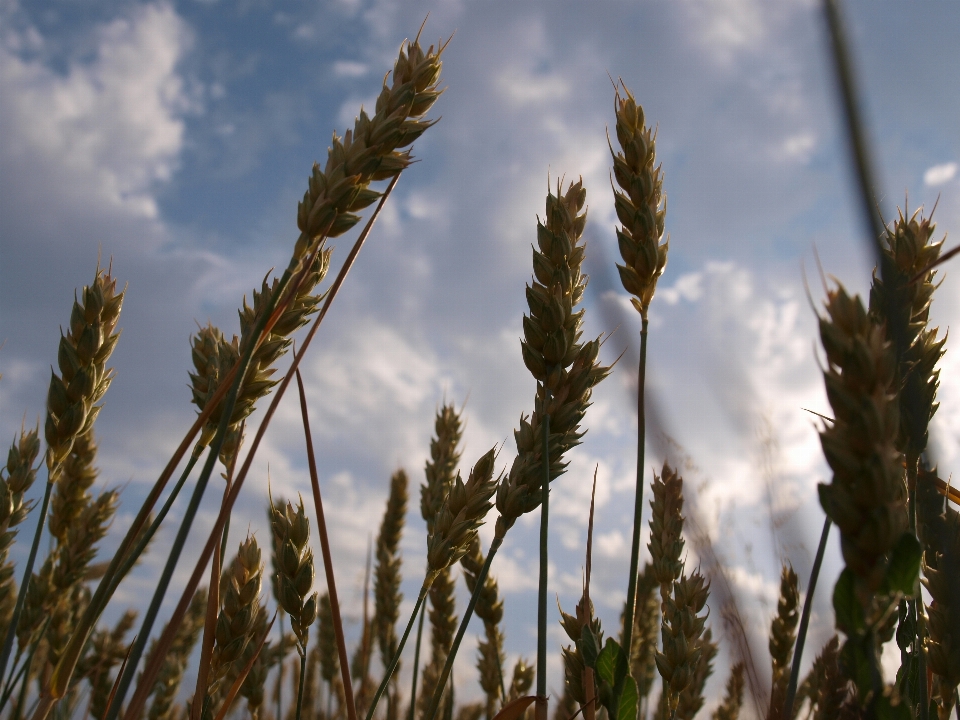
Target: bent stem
x=461, y=631
x=327, y=560
x=805, y=621
x=388, y=672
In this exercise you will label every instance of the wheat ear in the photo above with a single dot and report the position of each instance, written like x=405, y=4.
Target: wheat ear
x=440, y=473
x=387, y=578
x=666, y=529
x=291, y=535
x=682, y=638
x=867, y=498
x=16, y=478
x=900, y=300
x=691, y=699
x=240, y=602
x=327, y=645
x=783, y=636
x=940, y=532
x=72, y=400
x=729, y=708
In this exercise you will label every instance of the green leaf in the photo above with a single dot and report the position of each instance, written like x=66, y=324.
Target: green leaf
x=903, y=571
x=607, y=661
x=589, y=647
x=628, y=700
x=846, y=605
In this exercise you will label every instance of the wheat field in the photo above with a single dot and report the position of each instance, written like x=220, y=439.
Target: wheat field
x=173, y=602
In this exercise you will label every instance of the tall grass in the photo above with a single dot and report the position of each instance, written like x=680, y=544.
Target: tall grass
x=898, y=523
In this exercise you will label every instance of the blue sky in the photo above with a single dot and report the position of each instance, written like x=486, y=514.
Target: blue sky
x=176, y=139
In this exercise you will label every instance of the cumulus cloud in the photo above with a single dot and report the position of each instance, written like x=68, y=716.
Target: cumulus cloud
x=114, y=120
x=940, y=174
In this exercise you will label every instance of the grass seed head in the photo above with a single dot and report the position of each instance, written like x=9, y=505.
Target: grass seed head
x=867, y=497
x=941, y=578
x=565, y=368
x=691, y=700
x=16, y=478
x=729, y=708
x=239, y=605
x=682, y=636
x=441, y=468
x=78, y=474
x=84, y=378
x=903, y=307
x=640, y=203
x=666, y=529
x=783, y=636
x=461, y=514
x=291, y=536
x=372, y=151
x=327, y=640
x=386, y=574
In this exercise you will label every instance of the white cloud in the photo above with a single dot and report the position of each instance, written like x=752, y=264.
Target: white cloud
x=115, y=121
x=799, y=147
x=349, y=69
x=727, y=26
x=688, y=286
x=939, y=174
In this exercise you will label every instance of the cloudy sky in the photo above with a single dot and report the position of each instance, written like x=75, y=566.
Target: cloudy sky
x=176, y=139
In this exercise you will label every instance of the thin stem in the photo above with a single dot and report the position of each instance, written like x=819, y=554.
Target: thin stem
x=388, y=672
x=629, y=618
x=303, y=675
x=27, y=575
x=805, y=620
x=541, y=711
x=280, y=672
x=461, y=631
x=416, y=666
x=327, y=555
